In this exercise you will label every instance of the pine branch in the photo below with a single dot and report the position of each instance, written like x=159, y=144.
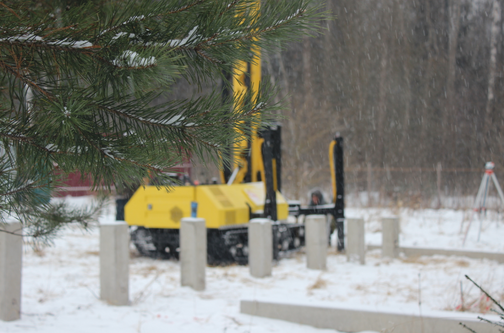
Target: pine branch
x=30, y=142
x=14, y=233
x=468, y=328
x=487, y=294
x=129, y=116
x=184, y=8
x=500, y=314
x=490, y=322
x=24, y=79
x=143, y=17
x=229, y=7
x=53, y=31
x=257, y=34
x=79, y=89
x=29, y=186
x=106, y=155
x=10, y=10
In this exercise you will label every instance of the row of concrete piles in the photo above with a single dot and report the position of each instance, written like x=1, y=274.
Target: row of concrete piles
x=356, y=246
x=114, y=255
x=260, y=240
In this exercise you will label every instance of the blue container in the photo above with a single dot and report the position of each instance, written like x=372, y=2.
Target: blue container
x=194, y=209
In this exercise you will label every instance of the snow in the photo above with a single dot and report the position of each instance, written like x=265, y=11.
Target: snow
x=260, y=221
x=108, y=222
x=134, y=18
x=133, y=59
x=61, y=282
x=193, y=219
x=279, y=22
x=191, y=36
x=77, y=44
x=22, y=38
x=173, y=120
x=430, y=228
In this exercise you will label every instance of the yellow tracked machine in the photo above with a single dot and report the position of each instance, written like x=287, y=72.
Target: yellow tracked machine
x=250, y=188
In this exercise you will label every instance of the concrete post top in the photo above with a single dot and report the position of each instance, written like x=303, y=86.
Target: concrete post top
x=7, y=218
x=14, y=227
x=192, y=219
x=10, y=222
x=260, y=220
x=315, y=217
x=112, y=223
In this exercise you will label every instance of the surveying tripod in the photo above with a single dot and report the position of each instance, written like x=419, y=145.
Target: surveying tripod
x=481, y=197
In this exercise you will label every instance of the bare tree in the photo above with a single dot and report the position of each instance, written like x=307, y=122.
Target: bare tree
x=450, y=114
x=492, y=67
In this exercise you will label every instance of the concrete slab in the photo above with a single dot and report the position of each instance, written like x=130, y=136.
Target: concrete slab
x=418, y=251
x=346, y=319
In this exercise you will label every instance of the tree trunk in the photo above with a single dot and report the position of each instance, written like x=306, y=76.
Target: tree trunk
x=405, y=49
x=424, y=115
x=382, y=108
x=494, y=31
x=450, y=114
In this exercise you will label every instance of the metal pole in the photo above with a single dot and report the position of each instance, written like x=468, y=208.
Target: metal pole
x=270, y=206
x=497, y=186
x=369, y=184
x=438, y=174
x=339, y=204
x=483, y=207
x=476, y=204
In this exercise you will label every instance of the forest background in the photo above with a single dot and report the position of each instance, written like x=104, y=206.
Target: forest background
x=415, y=87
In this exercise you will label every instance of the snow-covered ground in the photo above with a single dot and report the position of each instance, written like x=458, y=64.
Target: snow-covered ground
x=61, y=282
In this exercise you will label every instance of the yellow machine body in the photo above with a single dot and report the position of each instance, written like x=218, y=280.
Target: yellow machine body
x=226, y=208
x=219, y=205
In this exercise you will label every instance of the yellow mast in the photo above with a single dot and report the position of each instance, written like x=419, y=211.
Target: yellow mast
x=247, y=75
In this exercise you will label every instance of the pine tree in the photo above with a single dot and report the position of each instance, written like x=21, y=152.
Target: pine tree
x=79, y=80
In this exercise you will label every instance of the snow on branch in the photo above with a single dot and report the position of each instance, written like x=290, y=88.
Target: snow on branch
x=191, y=36
x=242, y=35
x=32, y=38
x=129, y=20
x=133, y=60
x=175, y=121
x=296, y=14
x=143, y=17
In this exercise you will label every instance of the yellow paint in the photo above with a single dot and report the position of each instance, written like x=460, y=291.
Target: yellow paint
x=275, y=181
x=257, y=160
x=154, y=207
x=221, y=173
x=242, y=165
x=255, y=194
x=239, y=89
x=219, y=205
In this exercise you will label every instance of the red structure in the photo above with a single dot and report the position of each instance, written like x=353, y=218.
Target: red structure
x=75, y=186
